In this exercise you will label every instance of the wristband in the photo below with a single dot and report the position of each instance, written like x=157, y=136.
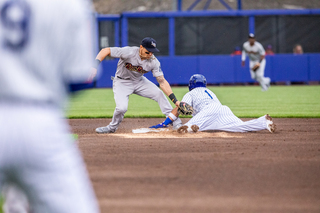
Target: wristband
x=96, y=63
x=173, y=98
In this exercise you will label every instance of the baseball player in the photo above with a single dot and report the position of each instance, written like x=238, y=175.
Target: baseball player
x=210, y=114
x=44, y=47
x=257, y=63
x=129, y=79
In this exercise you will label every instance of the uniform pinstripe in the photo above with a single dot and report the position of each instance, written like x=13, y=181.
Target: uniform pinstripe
x=210, y=114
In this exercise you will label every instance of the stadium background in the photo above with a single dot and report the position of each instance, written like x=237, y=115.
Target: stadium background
x=200, y=36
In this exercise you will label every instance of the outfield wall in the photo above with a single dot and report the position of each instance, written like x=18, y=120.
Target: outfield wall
x=226, y=69
x=202, y=41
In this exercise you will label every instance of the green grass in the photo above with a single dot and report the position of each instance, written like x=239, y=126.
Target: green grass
x=245, y=101
x=1, y=203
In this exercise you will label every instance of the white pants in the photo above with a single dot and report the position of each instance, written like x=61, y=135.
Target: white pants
x=122, y=89
x=38, y=154
x=220, y=117
x=258, y=75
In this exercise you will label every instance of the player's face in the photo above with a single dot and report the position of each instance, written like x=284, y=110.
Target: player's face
x=251, y=41
x=144, y=53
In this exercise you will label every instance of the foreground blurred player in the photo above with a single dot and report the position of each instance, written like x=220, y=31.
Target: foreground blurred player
x=44, y=47
x=210, y=114
x=257, y=64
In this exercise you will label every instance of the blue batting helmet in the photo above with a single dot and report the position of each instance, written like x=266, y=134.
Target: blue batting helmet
x=197, y=80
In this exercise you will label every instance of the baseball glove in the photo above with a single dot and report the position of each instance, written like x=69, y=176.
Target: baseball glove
x=185, y=109
x=255, y=67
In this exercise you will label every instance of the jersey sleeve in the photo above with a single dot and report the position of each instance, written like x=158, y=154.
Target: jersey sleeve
x=157, y=71
x=121, y=52
x=188, y=99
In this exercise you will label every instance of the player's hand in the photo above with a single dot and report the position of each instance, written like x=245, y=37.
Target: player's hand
x=177, y=103
x=93, y=73
x=256, y=67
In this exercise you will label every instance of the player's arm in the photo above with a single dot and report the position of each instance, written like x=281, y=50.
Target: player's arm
x=262, y=52
x=243, y=57
x=100, y=57
x=171, y=117
x=166, y=88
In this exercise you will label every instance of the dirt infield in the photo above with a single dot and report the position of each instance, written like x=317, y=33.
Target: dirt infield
x=203, y=172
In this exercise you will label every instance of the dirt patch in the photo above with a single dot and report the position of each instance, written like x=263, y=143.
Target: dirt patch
x=203, y=172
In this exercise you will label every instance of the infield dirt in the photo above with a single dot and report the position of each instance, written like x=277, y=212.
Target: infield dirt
x=205, y=171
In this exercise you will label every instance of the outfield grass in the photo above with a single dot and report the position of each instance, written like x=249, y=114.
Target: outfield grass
x=245, y=101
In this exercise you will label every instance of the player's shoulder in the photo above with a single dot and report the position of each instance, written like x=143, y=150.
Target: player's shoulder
x=127, y=50
x=153, y=59
x=258, y=43
x=246, y=44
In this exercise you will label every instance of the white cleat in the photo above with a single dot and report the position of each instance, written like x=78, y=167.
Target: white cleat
x=270, y=125
x=105, y=129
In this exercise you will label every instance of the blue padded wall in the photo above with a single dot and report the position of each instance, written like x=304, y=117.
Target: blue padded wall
x=226, y=69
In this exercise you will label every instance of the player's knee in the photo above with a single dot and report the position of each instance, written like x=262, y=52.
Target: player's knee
x=121, y=109
x=159, y=96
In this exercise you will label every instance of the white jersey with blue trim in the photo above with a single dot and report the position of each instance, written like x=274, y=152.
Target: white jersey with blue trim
x=200, y=98
x=33, y=69
x=210, y=114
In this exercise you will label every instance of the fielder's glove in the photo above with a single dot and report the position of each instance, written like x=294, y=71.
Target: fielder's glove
x=185, y=109
x=255, y=67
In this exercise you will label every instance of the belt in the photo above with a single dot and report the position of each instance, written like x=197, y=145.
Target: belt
x=123, y=78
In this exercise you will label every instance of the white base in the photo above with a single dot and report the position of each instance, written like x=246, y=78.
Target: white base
x=146, y=130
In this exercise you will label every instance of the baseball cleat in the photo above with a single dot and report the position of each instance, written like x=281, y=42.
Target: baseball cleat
x=194, y=128
x=270, y=125
x=182, y=129
x=158, y=126
x=105, y=129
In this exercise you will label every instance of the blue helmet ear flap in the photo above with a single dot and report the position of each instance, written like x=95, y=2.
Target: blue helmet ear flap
x=197, y=80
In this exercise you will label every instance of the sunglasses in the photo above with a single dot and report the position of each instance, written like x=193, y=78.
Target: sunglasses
x=148, y=53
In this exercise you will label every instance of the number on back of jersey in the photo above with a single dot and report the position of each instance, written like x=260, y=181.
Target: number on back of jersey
x=14, y=22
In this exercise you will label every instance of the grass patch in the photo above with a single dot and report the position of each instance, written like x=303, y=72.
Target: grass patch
x=245, y=101
x=1, y=203
x=75, y=137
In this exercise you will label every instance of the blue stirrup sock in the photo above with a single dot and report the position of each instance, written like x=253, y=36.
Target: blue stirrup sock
x=168, y=120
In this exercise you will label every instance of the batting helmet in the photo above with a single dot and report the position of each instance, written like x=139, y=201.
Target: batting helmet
x=197, y=80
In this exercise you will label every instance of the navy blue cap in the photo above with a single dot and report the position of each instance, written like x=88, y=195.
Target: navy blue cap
x=150, y=44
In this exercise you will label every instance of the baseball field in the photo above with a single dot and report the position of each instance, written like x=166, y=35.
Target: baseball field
x=205, y=171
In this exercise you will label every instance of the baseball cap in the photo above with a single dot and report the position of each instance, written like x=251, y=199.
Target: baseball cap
x=251, y=35
x=150, y=44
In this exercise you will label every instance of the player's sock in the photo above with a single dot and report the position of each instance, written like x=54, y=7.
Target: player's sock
x=167, y=121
